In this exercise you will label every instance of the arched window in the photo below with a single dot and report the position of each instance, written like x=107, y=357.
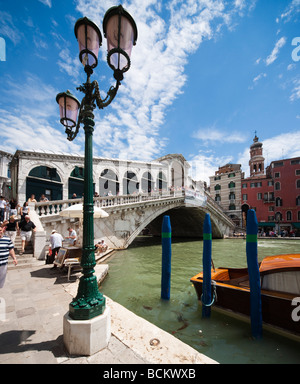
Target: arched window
x=231, y=184
x=231, y=196
x=108, y=183
x=289, y=216
x=278, y=202
x=217, y=187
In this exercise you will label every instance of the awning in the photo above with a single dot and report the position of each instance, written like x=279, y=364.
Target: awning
x=266, y=224
x=296, y=225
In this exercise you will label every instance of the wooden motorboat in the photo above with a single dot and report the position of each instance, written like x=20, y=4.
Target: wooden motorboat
x=280, y=291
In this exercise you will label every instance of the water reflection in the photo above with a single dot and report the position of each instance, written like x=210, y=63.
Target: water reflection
x=135, y=281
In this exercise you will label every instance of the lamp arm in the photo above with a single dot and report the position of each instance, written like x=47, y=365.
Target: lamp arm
x=102, y=103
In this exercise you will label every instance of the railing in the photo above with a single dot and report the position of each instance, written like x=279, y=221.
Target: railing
x=47, y=208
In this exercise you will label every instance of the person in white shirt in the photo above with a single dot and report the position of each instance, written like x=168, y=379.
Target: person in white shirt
x=71, y=239
x=56, y=240
x=2, y=208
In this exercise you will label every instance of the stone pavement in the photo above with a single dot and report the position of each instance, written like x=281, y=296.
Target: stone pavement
x=33, y=303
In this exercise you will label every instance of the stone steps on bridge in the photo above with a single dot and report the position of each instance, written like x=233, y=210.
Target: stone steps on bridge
x=27, y=259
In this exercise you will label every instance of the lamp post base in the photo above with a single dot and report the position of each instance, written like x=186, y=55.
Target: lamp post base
x=89, y=301
x=87, y=337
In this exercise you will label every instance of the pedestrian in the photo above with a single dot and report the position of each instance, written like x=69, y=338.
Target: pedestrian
x=2, y=208
x=6, y=250
x=32, y=199
x=13, y=207
x=43, y=198
x=24, y=211
x=26, y=227
x=56, y=240
x=12, y=228
x=72, y=236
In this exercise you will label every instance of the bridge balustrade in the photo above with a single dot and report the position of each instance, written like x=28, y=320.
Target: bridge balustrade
x=47, y=208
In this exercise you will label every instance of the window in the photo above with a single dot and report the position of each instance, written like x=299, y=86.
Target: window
x=217, y=177
x=278, y=216
x=278, y=164
x=271, y=208
x=244, y=185
x=271, y=218
x=217, y=187
x=252, y=185
x=218, y=198
x=231, y=196
x=289, y=216
x=295, y=162
x=278, y=202
x=297, y=172
x=270, y=183
x=259, y=196
x=245, y=197
x=259, y=184
x=298, y=183
x=298, y=200
x=277, y=175
x=231, y=184
x=277, y=186
x=298, y=215
x=231, y=175
x=231, y=207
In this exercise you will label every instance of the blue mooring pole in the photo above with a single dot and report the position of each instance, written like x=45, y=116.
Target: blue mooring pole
x=254, y=276
x=166, y=258
x=206, y=289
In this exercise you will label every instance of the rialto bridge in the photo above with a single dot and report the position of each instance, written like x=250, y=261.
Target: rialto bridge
x=135, y=194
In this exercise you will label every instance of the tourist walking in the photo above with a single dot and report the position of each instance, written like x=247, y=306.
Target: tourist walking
x=26, y=227
x=2, y=208
x=12, y=228
x=24, y=211
x=6, y=250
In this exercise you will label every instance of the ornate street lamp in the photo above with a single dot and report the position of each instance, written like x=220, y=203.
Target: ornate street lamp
x=121, y=33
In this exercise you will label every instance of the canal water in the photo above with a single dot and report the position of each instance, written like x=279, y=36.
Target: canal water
x=134, y=281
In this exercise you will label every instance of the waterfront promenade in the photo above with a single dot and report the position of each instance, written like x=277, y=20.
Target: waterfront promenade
x=33, y=303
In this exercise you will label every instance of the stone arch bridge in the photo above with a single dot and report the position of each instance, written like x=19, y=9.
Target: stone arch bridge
x=130, y=214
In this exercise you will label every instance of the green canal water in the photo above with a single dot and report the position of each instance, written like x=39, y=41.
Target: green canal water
x=134, y=281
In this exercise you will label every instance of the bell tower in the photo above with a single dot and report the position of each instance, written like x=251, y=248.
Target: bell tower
x=257, y=161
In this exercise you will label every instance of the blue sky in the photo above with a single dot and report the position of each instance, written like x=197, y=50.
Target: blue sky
x=205, y=75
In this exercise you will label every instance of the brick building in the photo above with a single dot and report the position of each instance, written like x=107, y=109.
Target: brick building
x=274, y=192
x=286, y=177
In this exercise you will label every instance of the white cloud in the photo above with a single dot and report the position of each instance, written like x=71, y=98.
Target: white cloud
x=48, y=3
x=212, y=135
x=273, y=56
x=30, y=124
x=296, y=90
x=205, y=164
x=157, y=75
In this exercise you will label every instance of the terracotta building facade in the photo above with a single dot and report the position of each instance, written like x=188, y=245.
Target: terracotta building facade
x=274, y=192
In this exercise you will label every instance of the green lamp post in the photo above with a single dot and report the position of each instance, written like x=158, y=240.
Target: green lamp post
x=121, y=33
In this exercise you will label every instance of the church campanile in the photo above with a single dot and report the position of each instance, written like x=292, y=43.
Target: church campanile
x=257, y=161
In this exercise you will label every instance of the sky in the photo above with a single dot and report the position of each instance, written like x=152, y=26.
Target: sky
x=205, y=77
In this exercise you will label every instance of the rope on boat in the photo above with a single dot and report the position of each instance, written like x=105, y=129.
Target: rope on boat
x=213, y=283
